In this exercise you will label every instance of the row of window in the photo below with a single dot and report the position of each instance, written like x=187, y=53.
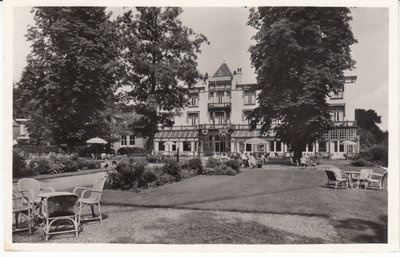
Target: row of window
x=126, y=139
x=187, y=147
x=220, y=97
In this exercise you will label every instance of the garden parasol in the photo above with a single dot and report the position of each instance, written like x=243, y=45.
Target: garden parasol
x=97, y=141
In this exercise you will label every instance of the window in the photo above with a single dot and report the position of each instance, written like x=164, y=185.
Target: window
x=322, y=146
x=211, y=96
x=241, y=146
x=123, y=140
x=248, y=147
x=272, y=146
x=245, y=115
x=337, y=113
x=219, y=117
x=338, y=94
x=194, y=100
x=341, y=147
x=249, y=97
x=161, y=146
x=174, y=147
x=220, y=97
x=193, y=118
x=278, y=146
x=22, y=130
x=311, y=148
x=131, y=140
x=335, y=144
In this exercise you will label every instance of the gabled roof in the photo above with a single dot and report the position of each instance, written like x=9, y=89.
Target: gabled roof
x=223, y=71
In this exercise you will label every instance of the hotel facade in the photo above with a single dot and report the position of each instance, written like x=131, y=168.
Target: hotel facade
x=215, y=121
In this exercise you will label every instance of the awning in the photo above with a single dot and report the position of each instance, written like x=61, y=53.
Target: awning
x=250, y=134
x=168, y=134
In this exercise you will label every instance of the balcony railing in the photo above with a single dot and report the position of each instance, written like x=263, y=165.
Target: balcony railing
x=347, y=123
x=225, y=105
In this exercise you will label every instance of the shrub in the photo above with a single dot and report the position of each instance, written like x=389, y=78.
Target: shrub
x=34, y=149
x=127, y=175
x=172, y=168
x=154, y=158
x=18, y=166
x=84, y=164
x=67, y=162
x=135, y=151
x=165, y=178
x=212, y=162
x=40, y=165
x=360, y=162
x=234, y=164
x=193, y=164
x=188, y=173
x=142, y=160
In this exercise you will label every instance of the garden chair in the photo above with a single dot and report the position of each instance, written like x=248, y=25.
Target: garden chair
x=365, y=175
x=304, y=162
x=30, y=188
x=294, y=162
x=60, y=211
x=22, y=212
x=335, y=178
x=377, y=179
x=90, y=197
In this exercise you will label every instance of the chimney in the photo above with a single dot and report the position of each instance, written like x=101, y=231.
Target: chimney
x=237, y=77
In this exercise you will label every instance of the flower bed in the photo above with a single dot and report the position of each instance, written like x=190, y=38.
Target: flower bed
x=50, y=165
x=135, y=175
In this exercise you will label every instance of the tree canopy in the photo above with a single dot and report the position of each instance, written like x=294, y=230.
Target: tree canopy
x=70, y=75
x=370, y=133
x=159, y=56
x=300, y=56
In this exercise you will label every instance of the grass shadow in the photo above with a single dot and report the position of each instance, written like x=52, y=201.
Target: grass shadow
x=352, y=229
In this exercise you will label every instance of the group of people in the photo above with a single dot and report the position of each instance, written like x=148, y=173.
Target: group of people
x=249, y=160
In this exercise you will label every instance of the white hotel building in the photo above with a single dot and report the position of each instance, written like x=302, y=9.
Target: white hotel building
x=215, y=121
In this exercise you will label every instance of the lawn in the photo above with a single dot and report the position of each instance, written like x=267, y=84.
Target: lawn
x=276, y=204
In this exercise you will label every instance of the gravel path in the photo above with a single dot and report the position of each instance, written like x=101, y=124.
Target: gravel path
x=149, y=225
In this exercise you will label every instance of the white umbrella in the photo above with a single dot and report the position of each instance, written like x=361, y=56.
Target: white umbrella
x=347, y=142
x=96, y=140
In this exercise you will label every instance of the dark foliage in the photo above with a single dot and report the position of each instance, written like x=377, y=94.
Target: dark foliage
x=193, y=164
x=300, y=57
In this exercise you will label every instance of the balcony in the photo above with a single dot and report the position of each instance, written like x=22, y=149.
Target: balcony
x=219, y=106
x=347, y=123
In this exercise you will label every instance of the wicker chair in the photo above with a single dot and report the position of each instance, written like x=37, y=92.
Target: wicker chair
x=377, y=179
x=22, y=212
x=60, y=211
x=335, y=178
x=365, y=175
x=30, y=188
x=90, y=197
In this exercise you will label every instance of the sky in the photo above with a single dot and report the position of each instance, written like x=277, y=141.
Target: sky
x=230, y=38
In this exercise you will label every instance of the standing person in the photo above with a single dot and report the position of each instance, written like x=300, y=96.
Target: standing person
x=245, y=160
x=252, y=161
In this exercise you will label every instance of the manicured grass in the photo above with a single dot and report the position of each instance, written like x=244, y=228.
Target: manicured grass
x=274, y=205
x=284, y=191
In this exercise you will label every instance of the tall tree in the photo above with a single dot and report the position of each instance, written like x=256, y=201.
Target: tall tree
x=299, y=57
x=70, y=76
x=160, y=57
x=370, y=133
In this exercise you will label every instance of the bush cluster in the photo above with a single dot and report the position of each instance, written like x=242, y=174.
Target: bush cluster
x=132, y=151
x=34, y=149
x=376, y=155
x=54, y=164
x=19, y=166
x=218, y=167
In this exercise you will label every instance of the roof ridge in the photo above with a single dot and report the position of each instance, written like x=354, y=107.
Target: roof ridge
x=223, y=71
